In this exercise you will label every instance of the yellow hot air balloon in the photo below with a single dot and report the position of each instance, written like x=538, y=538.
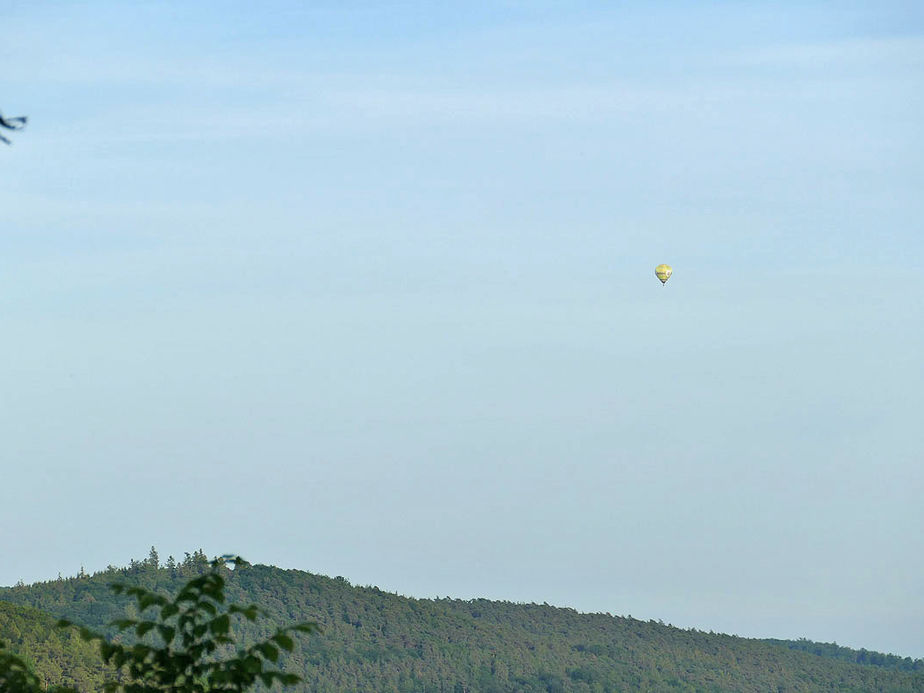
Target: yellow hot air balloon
x=663, y=272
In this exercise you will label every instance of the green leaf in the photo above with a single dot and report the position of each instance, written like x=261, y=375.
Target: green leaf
x=220, y=625
x=166, y=633
x=284, y=641
x=271, y=652
x=147, y=600
x=248, y=612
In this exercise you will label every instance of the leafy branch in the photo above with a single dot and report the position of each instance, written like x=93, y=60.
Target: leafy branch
x=178, y=642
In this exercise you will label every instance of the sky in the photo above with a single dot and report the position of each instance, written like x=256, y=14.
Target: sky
x=367, y=289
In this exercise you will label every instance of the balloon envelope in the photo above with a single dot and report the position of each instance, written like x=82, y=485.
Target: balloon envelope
x=663, y=272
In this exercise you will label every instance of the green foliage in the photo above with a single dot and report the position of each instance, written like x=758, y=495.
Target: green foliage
x=15, y=675
x=177, y=643
x=847, y=654
x=182, y=644
x=51, y=655
x=377, y=641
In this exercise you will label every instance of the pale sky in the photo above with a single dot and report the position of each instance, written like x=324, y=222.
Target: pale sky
x=367, y=289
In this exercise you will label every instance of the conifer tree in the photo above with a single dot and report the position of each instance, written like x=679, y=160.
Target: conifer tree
x=177, y=645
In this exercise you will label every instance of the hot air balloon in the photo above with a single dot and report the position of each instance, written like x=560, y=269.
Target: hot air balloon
x=663, y=272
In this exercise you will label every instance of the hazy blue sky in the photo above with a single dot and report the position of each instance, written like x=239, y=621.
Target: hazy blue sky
x=368, y=289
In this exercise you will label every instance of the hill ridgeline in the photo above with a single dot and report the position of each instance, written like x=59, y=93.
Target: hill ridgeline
x=378, y=641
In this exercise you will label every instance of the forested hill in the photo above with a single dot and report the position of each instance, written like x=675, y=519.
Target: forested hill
x=378, y=641
x=56, y=655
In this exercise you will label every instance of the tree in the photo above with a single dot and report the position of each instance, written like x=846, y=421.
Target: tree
x=11, y=124
x=16, y=677
x=181, y=645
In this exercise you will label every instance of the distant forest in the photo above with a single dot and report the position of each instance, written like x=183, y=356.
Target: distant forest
x=378, y=641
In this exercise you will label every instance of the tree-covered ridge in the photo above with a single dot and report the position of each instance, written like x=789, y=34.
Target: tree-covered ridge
x=378, y=641
x=56, y=656
x=847, y=654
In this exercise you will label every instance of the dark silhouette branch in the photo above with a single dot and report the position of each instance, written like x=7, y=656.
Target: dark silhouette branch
x=11, y=124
